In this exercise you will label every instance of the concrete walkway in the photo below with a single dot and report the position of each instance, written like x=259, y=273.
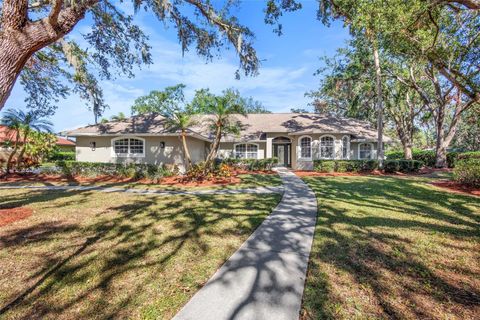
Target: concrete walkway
x=264, y=279
x=259, y=190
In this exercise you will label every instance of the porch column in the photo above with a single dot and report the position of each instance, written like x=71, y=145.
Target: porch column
x=269, y=147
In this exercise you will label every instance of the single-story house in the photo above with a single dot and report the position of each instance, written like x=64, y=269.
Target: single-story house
x=296, y=139
x=64, y=144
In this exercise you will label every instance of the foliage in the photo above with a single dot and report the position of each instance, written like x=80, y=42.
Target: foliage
x=171, y=98
x=250, y=164
x=428, y=156
x=467, y=171
x=131, y=170
x=39, y=146
x=469, y=155
x=114, y=45
x=402, y=165
x=62, y=155
x=345, y=165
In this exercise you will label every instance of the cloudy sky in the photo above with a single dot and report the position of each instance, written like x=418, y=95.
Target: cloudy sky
x=286, y=73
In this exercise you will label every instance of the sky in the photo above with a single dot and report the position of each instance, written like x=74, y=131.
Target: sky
x=286, y=73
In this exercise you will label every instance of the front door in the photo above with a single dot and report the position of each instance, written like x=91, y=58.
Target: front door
x=282, y=153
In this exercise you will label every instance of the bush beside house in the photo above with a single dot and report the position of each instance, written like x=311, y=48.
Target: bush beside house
x=467, y=171
x=345, y=165
x=428, y=156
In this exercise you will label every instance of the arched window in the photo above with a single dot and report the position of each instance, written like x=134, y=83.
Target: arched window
x=346, y=147
x=327, y=147
x=305, y=144
x=128, y=147
x=246, y=151
x=365, y=151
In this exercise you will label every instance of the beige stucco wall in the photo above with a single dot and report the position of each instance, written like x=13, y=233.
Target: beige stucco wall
x=172, y=153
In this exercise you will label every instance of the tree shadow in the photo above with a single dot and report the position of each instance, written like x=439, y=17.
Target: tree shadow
x=101, y=266
x=368, y=258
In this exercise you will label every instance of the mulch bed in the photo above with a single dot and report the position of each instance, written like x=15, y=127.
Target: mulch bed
x=456, y=187
x=11, y=215
x=169, y=181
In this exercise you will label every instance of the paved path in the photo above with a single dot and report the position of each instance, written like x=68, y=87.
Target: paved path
x=264, y=279
x=259, y=190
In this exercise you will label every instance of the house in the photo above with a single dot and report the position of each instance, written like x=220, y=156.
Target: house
x=7, y=138
x=296, y=139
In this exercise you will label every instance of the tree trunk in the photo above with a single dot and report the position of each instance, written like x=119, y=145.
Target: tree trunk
x=407, y=151
x=24, y=146
x=440, y=146
x=188, y=160
x=216, y=144
x=379, y=107
x=12, y=154
x=20, y=38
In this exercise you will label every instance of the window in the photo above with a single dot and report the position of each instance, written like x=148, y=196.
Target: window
x=327, y=147
x=305, y=147
x=345, y=147
x=246, y=151
x=129, y=147
x=365, y=151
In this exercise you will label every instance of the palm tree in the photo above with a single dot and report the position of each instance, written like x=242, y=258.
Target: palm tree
x=181, y=121
x=223, y=109
x=23, y=123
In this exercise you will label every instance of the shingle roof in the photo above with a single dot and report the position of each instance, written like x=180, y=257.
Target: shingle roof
x=252, y=127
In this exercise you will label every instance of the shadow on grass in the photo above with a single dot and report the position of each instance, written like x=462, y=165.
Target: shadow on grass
x=365, y=260
x=103, y=265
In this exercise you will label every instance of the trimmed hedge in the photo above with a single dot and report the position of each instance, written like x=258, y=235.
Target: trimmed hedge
x=248, y=164
x=467, y=171
x=131, y=170
x=62, y=155
x=402, y=165
x=345, y=165
x=428, y=156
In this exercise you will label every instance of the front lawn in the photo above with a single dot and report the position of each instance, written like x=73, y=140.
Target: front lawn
x=389, y=247
x=91, y=255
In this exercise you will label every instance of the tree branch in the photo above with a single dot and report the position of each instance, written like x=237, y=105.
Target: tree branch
x=14, y=14
x=55, y=12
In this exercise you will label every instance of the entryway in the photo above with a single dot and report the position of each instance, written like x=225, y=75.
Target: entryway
x=282, y=150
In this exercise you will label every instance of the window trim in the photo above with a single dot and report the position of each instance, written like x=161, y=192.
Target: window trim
x=320, y=147
x=299, y=155
x=371, y=150
x=348, y=147
x=128, y=154
x=245, y=143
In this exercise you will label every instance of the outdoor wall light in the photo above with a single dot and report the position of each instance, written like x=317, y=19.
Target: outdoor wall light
x=162, y=144
x=93, y=145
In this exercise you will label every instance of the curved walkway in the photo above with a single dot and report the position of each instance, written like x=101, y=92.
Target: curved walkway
x=259, y=190
x=264, y=278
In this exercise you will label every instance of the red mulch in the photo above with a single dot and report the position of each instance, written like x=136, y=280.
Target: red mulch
x=170, y=181
x=10, y=215
x=456, y=187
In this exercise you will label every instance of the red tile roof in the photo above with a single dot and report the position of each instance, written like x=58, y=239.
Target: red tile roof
x=7, y=134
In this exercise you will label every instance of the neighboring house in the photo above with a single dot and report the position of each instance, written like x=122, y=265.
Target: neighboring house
x=7, y=138
x=296, y=139
x=64, y=144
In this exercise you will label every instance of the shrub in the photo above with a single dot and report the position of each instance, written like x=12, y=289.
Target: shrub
x=344, y=165
x=391, y=166
x=428, y=156
x=469, y=155
x=467, y=171
x=248, y=164
x=409, y=165
x=131, y=170
x=62, y=155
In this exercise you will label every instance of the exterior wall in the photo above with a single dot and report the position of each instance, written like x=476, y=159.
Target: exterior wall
x=172, y=153
x=227, y=149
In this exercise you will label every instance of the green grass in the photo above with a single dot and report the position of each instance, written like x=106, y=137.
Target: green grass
x=253, y=180
x=396, y=248
x=91, y=255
